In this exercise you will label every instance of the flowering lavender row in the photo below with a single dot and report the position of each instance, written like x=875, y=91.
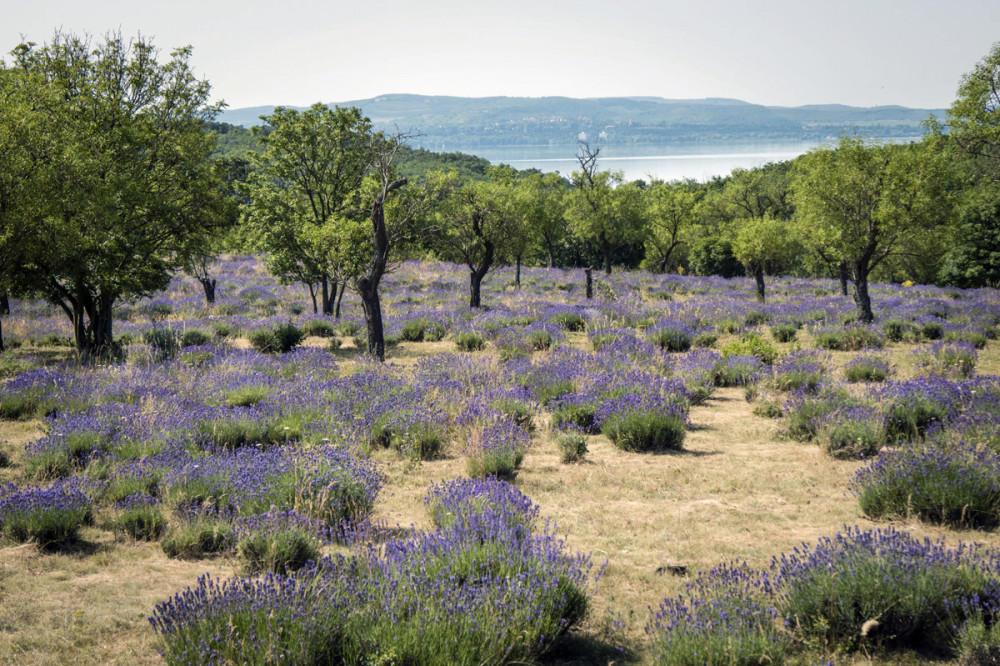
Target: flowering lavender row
x=486, y=588
x=876, y=590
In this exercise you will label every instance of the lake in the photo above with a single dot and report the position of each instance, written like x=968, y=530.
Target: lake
x=698, y=161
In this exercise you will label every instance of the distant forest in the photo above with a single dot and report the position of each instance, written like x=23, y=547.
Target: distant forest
x=462, y=123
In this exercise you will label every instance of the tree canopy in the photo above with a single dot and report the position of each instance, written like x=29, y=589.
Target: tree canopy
x=106, y=172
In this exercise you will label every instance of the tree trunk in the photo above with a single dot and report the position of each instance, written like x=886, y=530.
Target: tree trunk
x=475, y=288
x=325, y=292
x=758, y=276
x=372, y=307
x=606, y=252
x=94, y=338
x=861, y=297
x=367, y=284
x=4, y=304
x=340, y=298
x=842, y=274
x=312, y=295
x=209, y=287
x=517, y=272
x=552, y=257
x=589, y=272
x=1, y=335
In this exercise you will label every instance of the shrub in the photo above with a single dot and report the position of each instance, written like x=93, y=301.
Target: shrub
x=277, y=541
x=468, y=341
x=726, y=616
x=197, y=538
x=768, y=409
x=751, y=344
x=800, y=371
x=671, y=336
x=979, y=643
x=706, y=339
x=643, y=423
x=784, y=332
x=853, y=433
x=851, y=338
x=483, y=590
x=885, y=590
x=738, y=370
x=895, y=329
x=516, y=410
x=572, y=446
x=281, y=339
x=496, y=449
x=539, y=340
x=414, y=329
x=916, y=406
x=867, y=368
x=49, y=516
x=222, y=329
x=807, y=412
x=164, y=341
x=575, y=412
x=139, y=519
x=946, y=359
x=194, y=337
x=953, y=484
x=318, y=328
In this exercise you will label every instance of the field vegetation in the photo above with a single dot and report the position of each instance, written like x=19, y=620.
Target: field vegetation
x=293, y=406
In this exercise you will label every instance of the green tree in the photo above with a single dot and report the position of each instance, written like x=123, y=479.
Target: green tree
x=973, y=256
x=864, y=201
x=476, y=220
x=760, y=243
x=673, y=210
x=304, y=189
x=541, y=202
x=974, y=117
x=602, y=209
x=115, y=152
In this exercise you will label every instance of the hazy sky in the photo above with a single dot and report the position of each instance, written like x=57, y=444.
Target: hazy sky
x=785, y=52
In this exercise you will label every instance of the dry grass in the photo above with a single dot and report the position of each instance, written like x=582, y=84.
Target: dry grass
x=738, y=491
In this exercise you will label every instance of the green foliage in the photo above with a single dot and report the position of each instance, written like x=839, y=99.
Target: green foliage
x=784, y=332
x=303, y=187
x=282, y=551
x=714, y=256
x=319, y=328
x=852, y=439
x=198, y=538
x=645, y=431
x=194, y=337
x=752, y=344
x=572, y=447
x=602, y=209
x=109, y=175
x=972, y=118
x=973, y=256
x=468, y=341
x=141, y=523
x=579, y=415
x=281, y=339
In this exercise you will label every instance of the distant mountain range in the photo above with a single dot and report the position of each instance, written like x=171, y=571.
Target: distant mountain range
x=467, y=123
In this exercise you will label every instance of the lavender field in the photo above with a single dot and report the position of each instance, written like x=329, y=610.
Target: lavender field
x=671, y=472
